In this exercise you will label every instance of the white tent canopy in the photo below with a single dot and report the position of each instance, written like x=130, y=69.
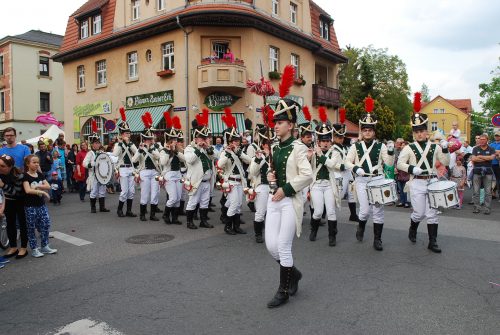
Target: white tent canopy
x=52, y=133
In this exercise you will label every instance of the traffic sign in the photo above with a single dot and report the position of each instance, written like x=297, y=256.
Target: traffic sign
x=109, y=125
x=180, y=109
x=495, y=119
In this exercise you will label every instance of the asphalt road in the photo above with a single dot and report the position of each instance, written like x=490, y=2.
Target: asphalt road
x=206, y=282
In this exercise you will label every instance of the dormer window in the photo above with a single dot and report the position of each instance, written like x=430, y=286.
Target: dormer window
x=324, y=29
x=84, y=29
x=135, y=9
x=96, y=24
x=293, y=13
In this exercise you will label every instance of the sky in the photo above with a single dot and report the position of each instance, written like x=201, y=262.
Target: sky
x=451, y=45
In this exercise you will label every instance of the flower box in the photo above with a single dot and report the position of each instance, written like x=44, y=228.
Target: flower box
x=239, y=62
x=299, y=81
x=165, y=73
x=274, y=75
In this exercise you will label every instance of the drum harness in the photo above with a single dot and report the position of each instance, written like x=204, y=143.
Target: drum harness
x=423, y=158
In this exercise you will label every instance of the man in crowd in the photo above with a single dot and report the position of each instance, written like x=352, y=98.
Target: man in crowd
x=482, y=157
x=45, y=158
x=495, y=163
x=16, y=151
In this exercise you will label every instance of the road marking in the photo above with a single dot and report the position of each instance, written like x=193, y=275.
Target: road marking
x=70, y=239
x=87, y=327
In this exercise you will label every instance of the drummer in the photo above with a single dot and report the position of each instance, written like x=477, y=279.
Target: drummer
x=366, y=158
x=419, y=159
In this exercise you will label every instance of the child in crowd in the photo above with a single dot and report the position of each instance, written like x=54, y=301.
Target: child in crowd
x=55, y=188
x=3, y=260
x=37, y=215
x=459, y=176
x=56, y=164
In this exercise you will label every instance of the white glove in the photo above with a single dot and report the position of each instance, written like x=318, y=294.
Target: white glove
x=444, y=144
x=390, y=146
x=360, y=172
x=417, y=171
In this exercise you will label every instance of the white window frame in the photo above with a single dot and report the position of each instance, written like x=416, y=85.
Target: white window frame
x=324, y=29
x=133, y=65
x=84, y=29
x=80, y=72
x=96, y=24
x=3, y=106
x=168, y=52
x=41, y=66
x=275, y=7
x=101, y=75
x=434, y=126
x=160, y=5
x=293, y=12
x=136, y=10
x=295, y=61
x=274, y=59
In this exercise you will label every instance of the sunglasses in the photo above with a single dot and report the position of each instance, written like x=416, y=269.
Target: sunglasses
x=6, y=156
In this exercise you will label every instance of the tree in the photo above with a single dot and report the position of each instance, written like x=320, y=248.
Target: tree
x=480, y=124
x=491, y=94
x=426, y=97
x=350, y=76
x=386, y=124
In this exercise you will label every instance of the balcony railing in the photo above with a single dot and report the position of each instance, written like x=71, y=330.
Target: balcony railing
x=325, y=96
x=221, y=73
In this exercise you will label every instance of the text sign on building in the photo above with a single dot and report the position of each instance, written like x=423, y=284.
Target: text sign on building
x=96, y=108
x=180, y=109
x=495, y=120
x=150, y=99
x=217, y=101
x=273, y=100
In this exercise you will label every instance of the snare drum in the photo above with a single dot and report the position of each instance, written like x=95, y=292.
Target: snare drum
x=381, y=191
x=442, y=194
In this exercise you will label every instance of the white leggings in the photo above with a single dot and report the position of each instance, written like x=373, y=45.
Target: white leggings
x=420, y=203
x=174, y=188
x=321, y=197
x=127, y=184
x=262, y=194
x=280, y=230
x=365, y=209
x=234, y=200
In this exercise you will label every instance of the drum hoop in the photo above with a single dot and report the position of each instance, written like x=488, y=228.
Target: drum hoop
x=100, y=161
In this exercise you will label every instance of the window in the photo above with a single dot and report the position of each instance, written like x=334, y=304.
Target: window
x=220, y=49
x=324, y=29
x=434, y=126
x=132, y=65
x=149, y=56
x=44, y=102
x=81, y=77
x=274, y=63
x=293, y=13
x=84, y=29
x=2, y=102
x=438, y=111
x=276, y=6
x=295, y=61
x=160, y=5
x=441, y=111
x=101, y=72
x=135, y=9
x=167, y=51
x=43, y=66
x=96, y=24
x=1, y=66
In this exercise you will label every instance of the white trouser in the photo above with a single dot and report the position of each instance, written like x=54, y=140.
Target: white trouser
x=174, y=188
x=201, y=196
x=280, y=229
x=97, y=190
x=185, y=194
x=420, y=202
x=346, y=186
x=127, y=183
x=304, y=192
x=365, y=209
x=149, y=187
x=261, y=195
x=234, y=199
x=321, y=197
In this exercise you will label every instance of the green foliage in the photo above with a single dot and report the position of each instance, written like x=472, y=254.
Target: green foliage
x=426, y=97
x=274, y=75
x=386, y=126
x=480, y=123
x=490, y=92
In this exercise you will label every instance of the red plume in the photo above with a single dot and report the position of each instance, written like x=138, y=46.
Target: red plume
x=147, y=119
x=94, y=126
x=202, y=118
x=122, y=114
x=270, y=117
x=168, y=119
x=342, y=115
x=228, y=118
x=417, y=103
x=307, y=113
x=322, y=114
x=176, y=121
x=369, y=104
x=287, y=80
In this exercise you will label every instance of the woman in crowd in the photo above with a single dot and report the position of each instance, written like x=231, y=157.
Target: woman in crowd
x=70, y=167
x=80, y=174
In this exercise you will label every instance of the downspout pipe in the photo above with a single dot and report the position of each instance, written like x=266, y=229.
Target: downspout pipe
x=186, y=76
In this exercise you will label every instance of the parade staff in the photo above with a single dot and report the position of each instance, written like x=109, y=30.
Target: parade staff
x=147, y=159
x=97, y=190
x=366, y=158
x=339, y=155
x=230, y=165
x=125, y=150
x=171, y=157
x=419, y=159
x=324, y=193
x=198, y=156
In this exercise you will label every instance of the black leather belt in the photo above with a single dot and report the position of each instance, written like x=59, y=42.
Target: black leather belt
x=126, y=165
x=234, y=179
x=424, y=177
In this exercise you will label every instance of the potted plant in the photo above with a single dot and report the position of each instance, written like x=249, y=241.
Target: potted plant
x=300, y=81
x=206, y=61
x=239, y=61
x=274, y=75
x=165, y=73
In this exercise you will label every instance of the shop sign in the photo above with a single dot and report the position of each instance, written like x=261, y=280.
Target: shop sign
x=217, y=101
x=150, y=99
x=96, y=108
x=273, y=100
x=180, y=109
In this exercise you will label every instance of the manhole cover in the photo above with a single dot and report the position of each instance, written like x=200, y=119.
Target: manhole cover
x=149, y=239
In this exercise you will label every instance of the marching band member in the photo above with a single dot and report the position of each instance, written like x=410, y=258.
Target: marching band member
x=419, y=159
x=199, y=172
x=339, y=154
x=366, y=158
x=324, y=188
x=125, y=150
x=231, y=165
x=97, y=190
x=147, y=159
x=306, y=132
x=171, y=156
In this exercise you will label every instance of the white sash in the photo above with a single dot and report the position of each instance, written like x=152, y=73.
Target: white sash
x=423, y=158
x=366, y=156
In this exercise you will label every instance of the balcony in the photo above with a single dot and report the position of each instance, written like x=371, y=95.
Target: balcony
x=325, y=96
x=222, y=74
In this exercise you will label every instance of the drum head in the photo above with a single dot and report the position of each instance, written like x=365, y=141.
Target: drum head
x=441, y=185
x=103, y=169
x=380, y=182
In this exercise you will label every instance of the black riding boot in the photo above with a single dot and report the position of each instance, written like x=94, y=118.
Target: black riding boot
x=361, y=230
x=152, y=215
x=282, y=295
x=228, y=225
x=129, y=209
x=175, y=215
x=412, y=235
x=102, y=207
x=377, y=236
x=314, y=229
x=323, y=216
x=120, y=209
x=294, y=281
x=257, y=227
x=189, y=216
x=236, y=224
x=432, y=229
x=166, y=215
x=223, y=214
x=251, y=206
x=204, y=217
x=142, y=215
x=210, y=205
x=332, y=233
x=352, y=209
x=195, y=213
x=92, y=205
x=181, y=208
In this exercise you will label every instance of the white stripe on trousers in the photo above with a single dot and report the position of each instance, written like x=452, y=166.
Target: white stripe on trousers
x=149, y=187
x=420, y=202
x=365, y=209
x=280, y=229
x=127, y=183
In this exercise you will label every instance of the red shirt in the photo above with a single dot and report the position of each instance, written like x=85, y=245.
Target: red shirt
x=80, y=156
